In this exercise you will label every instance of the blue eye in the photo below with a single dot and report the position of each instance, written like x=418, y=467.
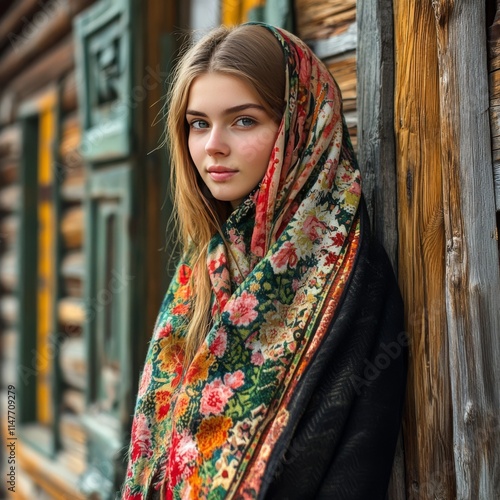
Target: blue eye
x=199, y=124
x=245, y=122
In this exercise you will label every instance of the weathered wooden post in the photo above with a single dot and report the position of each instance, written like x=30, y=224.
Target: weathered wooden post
x=472, y=277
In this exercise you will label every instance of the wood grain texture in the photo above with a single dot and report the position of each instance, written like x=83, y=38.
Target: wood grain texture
x=51, y=23
x=12, y=21
x=428, y=422
x=320, y=19
x=72, y=227
x=48, y=68
x=494, y=68
x=472, y=279
x=376, y=149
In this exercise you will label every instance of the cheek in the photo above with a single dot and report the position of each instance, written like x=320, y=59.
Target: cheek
x=195, y=149
x=259, y=147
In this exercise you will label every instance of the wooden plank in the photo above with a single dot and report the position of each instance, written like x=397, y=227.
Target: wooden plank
x=72, y=227
x=71, y=311
x=57, y=481
x=335, y=45
x=9, y=170
x=15, y=18
x=376, y=148
x=10, y=141
x=320, y=19
x=343, y=68
x=159, y=19
x=52, y=22
x=9, y=198
x=73, y=265
x=428, y=421
x=494, y=41
x=8, y=271
x=69, y=97
x=9, y=309
x=74, y=401
x=73, y=362
x=8, y=231
x=49, y=67
x=8, y=343
x=472, y=258
x=494, y=67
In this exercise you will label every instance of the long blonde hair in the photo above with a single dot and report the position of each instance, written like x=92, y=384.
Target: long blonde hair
x=252, y=53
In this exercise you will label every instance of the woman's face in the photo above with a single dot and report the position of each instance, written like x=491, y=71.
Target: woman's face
x=231, y=135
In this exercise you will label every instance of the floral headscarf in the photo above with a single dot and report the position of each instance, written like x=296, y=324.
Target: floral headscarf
x=277, y=278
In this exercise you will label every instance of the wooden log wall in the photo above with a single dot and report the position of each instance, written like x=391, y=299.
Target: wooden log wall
x=330, y=29
x=10, y=145
x=448, y=256
x=494, y=69
x=37, y=53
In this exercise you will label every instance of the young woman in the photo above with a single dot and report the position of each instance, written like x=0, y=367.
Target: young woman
x=277, y=366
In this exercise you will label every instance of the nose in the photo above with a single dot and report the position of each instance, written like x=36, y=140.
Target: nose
x=217, y=143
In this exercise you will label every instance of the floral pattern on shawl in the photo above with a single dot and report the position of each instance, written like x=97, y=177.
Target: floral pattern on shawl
x=292, y=246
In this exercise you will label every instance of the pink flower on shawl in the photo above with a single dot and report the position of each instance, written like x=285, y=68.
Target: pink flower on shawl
x=141, y=439
x=355, y=188
x=214, y=397
x=313, y=227
x=257, y=358
x=145, y=379
x=234, y=380
x=218, y=346
x=183, y=451
x=242, y=309
x=255, y=345
x=165, y=331
x=285, y=257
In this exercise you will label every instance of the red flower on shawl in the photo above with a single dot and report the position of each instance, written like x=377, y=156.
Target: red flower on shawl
x=184, y=274
x=184, y=452
x=162, y=404
x=331, y=259
x=180, y=309
x=338, y=239
x=313, y=227
x=285, y=257
x=242, y=309
x=214, y=397
x=141, y=439
x=165, y=331
x=218, y=346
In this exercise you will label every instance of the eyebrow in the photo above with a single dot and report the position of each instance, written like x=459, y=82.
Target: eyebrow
x=228, y=111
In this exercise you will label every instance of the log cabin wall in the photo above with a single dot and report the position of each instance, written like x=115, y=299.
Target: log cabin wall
x=330, y=29
x=37, y=80
x=44, y=301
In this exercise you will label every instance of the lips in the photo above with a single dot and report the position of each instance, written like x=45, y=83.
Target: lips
x=219, y=173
